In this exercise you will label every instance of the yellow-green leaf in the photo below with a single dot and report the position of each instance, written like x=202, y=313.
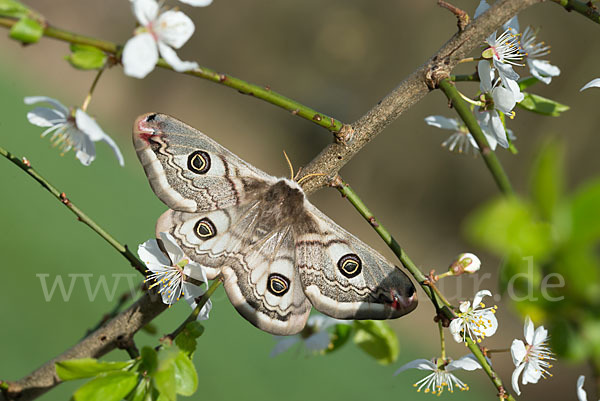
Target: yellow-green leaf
x=27, y=30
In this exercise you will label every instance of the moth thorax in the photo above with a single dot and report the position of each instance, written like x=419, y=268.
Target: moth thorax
x=284, y=201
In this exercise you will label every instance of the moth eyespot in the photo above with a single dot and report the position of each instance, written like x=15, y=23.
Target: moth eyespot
x=151, y=117
x=277, y=284
x=205, y=229
x=199, y=162
x=350, y=265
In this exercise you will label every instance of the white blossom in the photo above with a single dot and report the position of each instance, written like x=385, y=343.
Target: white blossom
x=315, y=336
x=531, y=359
x=159, y=33
x=70, y=128
x=169, y=273
x=441, y=375
x=541, y=69
x=474, y=322
x=460, y=139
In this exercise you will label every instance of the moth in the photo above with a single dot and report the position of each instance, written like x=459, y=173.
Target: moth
x=276, y=252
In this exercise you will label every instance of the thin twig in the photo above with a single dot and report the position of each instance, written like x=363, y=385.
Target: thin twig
x=585, y=8
x=260, y=92
x=353, y=198
x=461, y=16
x=488, y=370
x=25, y=165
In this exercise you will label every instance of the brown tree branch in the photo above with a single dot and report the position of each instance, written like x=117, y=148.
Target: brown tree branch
x=410, y=91
x=328, y=162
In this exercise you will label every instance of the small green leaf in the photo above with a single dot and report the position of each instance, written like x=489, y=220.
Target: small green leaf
x=112, y=386
x=149, y=360
x=542, y=105
x=186, y=378
x=27, y=30
x=86, y=57
x=87, y=367
x=186, y=340
x=164, y=377
x=525, y=83
x=13, y=8
x=341, y=335
x=547, y=179
x=377, y=339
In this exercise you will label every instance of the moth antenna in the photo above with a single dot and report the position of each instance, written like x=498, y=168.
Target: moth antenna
x=290, y=165
x=310, y=175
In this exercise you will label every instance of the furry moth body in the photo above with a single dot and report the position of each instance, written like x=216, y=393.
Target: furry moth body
x=277, y=253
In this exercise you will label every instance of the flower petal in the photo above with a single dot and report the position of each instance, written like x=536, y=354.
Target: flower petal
x=86, y=151
x=539, y=336
x=515, y=89
x=190, y=293
x=140, y=55
x=174, y=28
x=543, y=70
x=481, y=8
x=195, y=271
x=145, y=11
x=479, y=296
x=528, y=330
x=38, y=99
x=421, y=364
x=174, y=61
x=45, y=117
x=531, y=374
x=518, y=352
x=442, y=122
x=513, y=25
x=497, y=129
x=504, y=99
x=491, y=324
x=283, y=344
x=467, y=362
x=505, y=71
x=90, y=127
x=515, y=378
x=486, y=75
x=197, y=3
x=592, y=83
x=581, y=394
x=456, y=327
x=173, y=250
x=150, y=253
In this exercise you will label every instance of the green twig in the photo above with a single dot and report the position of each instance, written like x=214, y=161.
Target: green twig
x=585, y=8
x=348, y=193
x=25, y=165
x=502, y=393
x=442, y=341
x=257, y=91
x=467, y=116
x=194, y=315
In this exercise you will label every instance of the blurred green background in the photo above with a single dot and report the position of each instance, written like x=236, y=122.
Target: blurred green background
x=339, y=57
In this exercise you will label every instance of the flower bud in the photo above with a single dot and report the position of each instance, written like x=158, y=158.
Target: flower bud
x=466, y=263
